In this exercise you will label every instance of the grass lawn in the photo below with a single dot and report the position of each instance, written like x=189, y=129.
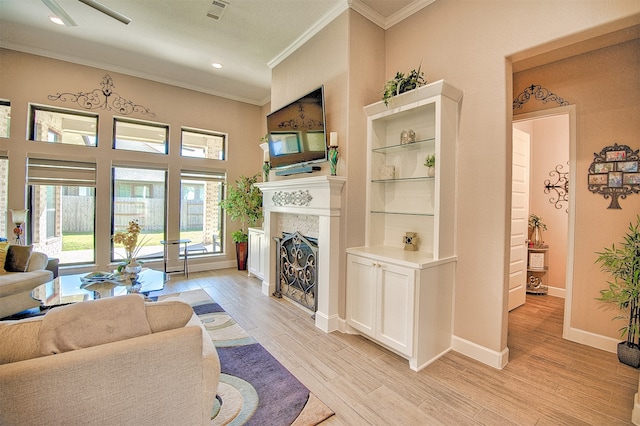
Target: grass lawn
x=71, y=242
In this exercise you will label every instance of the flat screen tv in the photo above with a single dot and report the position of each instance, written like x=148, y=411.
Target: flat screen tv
x=297, y=134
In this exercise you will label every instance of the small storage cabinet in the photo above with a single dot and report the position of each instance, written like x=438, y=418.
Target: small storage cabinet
x=256, y=253
x=537, y=269
x=401, y=298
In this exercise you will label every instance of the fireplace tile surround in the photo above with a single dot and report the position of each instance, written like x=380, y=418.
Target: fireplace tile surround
x=308, y=200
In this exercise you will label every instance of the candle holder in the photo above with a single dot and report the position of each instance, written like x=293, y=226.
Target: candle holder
x=266, y=168
x=333, y=159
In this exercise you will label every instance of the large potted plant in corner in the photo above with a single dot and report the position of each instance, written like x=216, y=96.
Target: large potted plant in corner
x=623, y=263
x=243, y=202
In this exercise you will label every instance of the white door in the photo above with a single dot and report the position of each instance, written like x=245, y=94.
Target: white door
x=519, y=219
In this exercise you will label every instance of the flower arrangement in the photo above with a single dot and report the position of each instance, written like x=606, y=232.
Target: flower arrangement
x=430, y=161
x=129, y=239
x=535, y=221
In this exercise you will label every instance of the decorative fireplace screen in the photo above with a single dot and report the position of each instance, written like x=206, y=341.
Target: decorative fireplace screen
x=296, y=269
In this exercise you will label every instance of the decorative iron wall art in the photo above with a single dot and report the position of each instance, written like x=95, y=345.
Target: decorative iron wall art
x=104, y=98
x=614, y=173
x=539, y=93
x=560, y=187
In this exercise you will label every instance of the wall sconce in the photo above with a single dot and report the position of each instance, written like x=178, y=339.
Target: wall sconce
x=18, y=217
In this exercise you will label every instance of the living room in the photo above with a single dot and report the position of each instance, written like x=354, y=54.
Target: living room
x=476, y=48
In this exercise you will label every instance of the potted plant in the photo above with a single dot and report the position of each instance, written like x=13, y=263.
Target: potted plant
x=536, y=226
x=430, y=164
x=623, y=263
x=402, y=83
x=243, y=202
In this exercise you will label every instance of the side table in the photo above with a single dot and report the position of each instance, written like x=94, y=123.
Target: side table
x=185, y=266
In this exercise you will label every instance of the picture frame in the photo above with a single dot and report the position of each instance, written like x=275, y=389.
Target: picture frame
x=627, y=166
x=536, y=261
x=615, y=180
x=616, y=155
x=631, y=179
x=603, y=167
x=600, y=179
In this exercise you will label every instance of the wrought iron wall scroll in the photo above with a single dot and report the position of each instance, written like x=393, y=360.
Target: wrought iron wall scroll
x=539, y=93
x=560, y=186
x=614, y=173
x=104, y=98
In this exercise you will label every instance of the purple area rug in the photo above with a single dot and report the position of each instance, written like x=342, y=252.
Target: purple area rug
x=270, y=394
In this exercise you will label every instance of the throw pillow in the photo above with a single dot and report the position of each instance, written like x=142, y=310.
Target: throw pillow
x=4, y=247
x=17, y=258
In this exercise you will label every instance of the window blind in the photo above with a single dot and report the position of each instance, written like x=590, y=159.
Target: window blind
x=41, y=171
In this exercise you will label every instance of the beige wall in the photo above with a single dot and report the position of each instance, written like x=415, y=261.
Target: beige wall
x=605, y=87
x=27, y=78
x=468, y=44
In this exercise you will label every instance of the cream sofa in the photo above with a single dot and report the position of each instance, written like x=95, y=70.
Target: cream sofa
x=16, y=287
x=114, y=361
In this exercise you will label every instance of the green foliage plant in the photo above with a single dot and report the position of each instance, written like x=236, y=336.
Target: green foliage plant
x=244, y=203
x=430, y=161
x=402, y=83
x=622, y=262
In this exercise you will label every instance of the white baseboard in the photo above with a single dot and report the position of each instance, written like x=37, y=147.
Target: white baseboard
x=591, y=339
x=557, y=292
x=480, y=353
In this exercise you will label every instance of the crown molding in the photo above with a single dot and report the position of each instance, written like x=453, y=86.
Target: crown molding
x=386, y=23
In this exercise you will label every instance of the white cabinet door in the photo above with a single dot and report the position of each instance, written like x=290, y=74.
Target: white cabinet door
x=395, y=306
x=361, y=294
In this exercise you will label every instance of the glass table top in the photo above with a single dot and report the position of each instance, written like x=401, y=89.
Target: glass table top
x=72, y=288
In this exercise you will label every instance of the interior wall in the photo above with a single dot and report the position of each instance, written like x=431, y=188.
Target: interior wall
x=29, y=78
x=467, y=43
x=605, y=87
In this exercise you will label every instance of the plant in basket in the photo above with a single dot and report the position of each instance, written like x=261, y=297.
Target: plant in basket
x=623, y=263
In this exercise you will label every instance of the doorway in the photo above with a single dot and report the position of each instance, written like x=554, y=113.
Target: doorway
x=552, y=157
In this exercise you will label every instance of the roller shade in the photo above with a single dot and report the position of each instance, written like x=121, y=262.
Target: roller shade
x=213, y=176
x=41, y=171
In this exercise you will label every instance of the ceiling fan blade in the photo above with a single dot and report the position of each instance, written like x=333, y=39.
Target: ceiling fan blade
x=106, y=10
x=60, y=13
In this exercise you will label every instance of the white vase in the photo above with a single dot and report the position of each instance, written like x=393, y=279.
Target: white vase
x=133, y=267
x=431, y=171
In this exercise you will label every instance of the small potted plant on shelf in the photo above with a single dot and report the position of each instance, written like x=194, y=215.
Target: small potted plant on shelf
x=623, y=263
x=430, y=164
x=403, y=83
x=536, y=226
x=244, y=203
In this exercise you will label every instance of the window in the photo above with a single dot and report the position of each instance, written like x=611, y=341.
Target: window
x=202, y=144
x=139, y=136
x=200, y=213
x=139, y=194
x=62, y=209
x=63, y=126
x=5, y=118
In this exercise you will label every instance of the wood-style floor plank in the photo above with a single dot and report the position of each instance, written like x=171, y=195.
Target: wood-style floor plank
x=548, y=381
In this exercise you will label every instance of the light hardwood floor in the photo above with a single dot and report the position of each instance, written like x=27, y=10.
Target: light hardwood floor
x=548, y=381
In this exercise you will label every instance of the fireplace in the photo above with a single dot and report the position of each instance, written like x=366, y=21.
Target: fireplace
x=318, y=197
x=297, y=269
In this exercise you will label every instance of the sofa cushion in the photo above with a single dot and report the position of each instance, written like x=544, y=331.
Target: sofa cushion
x=93, y=323
x=19, y=340
x=167, y=315
x=4, y=247
x=17, y=258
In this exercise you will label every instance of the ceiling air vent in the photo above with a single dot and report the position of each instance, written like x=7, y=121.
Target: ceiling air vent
x=217, y=8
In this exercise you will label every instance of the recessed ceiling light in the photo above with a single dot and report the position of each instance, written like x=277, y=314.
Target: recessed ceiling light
x=56, y=20
x=216, y=65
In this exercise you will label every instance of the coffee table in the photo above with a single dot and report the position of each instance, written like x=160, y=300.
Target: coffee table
x=71, y=288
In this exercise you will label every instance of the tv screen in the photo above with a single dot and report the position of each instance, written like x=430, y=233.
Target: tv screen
x=297, y=132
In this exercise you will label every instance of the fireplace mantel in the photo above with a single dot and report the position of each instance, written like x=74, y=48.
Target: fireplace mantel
x=319, y=196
